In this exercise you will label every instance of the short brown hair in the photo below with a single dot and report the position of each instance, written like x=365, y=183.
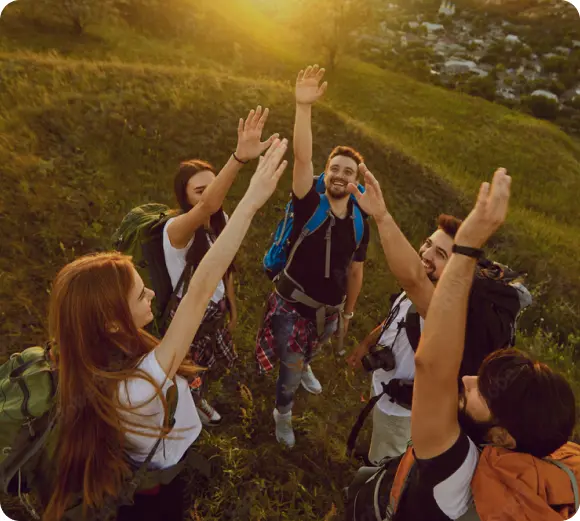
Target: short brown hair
x=449, y=224
x=345, y=151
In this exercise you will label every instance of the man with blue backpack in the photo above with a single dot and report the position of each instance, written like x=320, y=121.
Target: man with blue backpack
x=316, y=261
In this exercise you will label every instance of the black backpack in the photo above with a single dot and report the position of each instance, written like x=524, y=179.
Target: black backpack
x=496, y=301
x=367, y=497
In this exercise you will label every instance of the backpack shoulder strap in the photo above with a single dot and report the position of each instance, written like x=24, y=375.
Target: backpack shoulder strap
x=413, y=327
x=319, y=216
x=401, y=479
x=317, y=219
x=359, y=225
x=351, y=443
x=572, y=477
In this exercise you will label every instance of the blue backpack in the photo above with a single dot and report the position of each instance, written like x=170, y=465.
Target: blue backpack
x=279, y=255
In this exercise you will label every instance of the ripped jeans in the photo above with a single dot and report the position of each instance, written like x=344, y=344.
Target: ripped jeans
x=293, y=362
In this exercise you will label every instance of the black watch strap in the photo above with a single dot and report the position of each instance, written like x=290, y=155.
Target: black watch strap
x=475, y=253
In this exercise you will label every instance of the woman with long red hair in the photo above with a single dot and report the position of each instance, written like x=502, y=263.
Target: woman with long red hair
x=113, y=376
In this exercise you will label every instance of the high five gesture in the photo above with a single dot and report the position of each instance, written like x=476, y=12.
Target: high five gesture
x=308, y=88
x=250, y=144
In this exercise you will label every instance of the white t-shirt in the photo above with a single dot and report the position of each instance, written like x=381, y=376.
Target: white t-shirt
x=137, y=391
x=175, y=262
x=404, y=359
x=439, y=489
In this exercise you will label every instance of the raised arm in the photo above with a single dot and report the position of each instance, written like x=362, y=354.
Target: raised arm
x=307, y=92
x=434, y=425
x=404, y=262
x=175, y=344
x=182, y=228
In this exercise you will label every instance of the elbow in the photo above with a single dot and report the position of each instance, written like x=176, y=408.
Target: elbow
x=423, y=364
x=209, y=207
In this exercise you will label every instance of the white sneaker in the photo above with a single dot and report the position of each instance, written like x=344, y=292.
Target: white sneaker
x=207, y=414
x=284, y=432
x=310, y=382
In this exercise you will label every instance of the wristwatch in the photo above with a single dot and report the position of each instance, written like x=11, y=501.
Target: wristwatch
x=348, y=316
x=475, y=253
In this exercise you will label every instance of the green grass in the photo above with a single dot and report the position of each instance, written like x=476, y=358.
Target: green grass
x=97, y=127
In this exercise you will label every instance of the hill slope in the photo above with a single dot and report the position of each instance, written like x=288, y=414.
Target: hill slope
x=81, y=142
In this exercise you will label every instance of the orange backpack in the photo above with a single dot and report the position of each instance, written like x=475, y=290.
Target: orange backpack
x=511, y=486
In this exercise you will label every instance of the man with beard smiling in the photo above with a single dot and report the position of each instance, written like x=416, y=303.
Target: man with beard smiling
x=417, y=273
x=324, y=272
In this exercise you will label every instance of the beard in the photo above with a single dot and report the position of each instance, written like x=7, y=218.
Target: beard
x=430, y=270
x=336, y=192
x=476, y=431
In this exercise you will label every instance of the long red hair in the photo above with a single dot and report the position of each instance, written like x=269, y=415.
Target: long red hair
x=98, y=347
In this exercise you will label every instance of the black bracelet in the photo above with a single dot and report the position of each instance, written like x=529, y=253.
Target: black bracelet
x=475, y=253
x=239, y=160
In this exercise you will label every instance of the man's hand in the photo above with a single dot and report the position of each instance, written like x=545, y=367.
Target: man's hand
x=372, y=201
x=250, y=145
x=308, y=90
x=489, y=212
x=357, y=354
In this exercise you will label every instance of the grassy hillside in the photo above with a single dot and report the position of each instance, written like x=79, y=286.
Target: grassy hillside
x=90, y=132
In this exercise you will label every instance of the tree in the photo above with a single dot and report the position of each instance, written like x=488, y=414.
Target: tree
x=484, y=87
x=161, y=17
x=542, y=107
x=555, y=64
x=331, y=24
x=78, y=13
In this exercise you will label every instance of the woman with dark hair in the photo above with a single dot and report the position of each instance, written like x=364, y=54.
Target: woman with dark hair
x=188, y=237
x=518, y=411
x=113, y=377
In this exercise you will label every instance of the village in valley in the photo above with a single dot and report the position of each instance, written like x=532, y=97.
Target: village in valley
x=519, y=61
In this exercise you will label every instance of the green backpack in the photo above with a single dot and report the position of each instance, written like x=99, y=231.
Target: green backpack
x=27, y=417
x=28, y=433
x=140, y=235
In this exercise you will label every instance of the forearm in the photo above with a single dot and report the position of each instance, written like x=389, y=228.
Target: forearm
x=374, y=336
x=175, y=344
x=442, y=342
x=303, y=134
x=403, y=260
x=353, y=288
x=184, y=227
x=214, y=195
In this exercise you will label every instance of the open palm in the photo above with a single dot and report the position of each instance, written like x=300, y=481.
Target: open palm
x=250, y=144
x=489, y=212
x=372, y=201
x=308, y=88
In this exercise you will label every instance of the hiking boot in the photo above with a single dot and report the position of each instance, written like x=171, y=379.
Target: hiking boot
x=207, y=414
x=284, y=432
x=310, y=382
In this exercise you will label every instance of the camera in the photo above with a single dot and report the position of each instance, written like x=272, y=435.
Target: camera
x=379, y=357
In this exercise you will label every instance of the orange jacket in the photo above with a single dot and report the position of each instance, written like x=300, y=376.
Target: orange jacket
x=511, y=486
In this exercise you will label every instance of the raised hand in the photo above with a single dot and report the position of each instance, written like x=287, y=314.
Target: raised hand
x=268, y=173
x=308, y=88
x=489, y=212
x=372, y=201
x=250, y=145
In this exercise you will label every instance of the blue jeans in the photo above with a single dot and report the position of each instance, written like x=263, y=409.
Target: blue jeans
x=292, y=363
